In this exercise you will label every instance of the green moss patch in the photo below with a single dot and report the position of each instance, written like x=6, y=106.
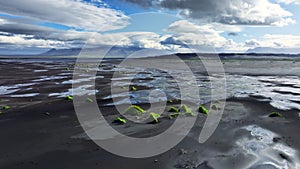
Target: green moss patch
x=135, y=110
x=214, y=107
x=173, y=109
x=6, y=107
x=170, y=101
x=154, y=117
x=173, y=115
x=120, y=120
x=185, y=109
x=89, y=100
x=69, y=97
x=203, y=110
x=275, y=114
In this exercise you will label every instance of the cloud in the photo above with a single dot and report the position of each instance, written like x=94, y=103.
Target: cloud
x=252, y=43
x=192, y=34
x=281, y=40
x=136, y=39
x=28, y=41
x=246, y=12
x=179, y=36
x=289, y=1
x=72, y=13
x=275, y=41
x=44, y=33
x=27, y=29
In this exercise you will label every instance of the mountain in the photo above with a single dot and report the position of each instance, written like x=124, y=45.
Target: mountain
x=62, y=52
x=21, y=51
x=94, y=52
x=274, y=50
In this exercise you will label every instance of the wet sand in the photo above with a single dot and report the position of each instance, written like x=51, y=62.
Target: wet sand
x=41, y=129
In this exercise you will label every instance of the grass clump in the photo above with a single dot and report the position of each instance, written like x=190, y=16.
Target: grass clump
x=5, y=107
x=275, y=114
x=173, y=115
x=173, y=109
x=69, y=97
x=120, y=120
x=133, y=88
x=203, y=110
x=169, y=101
x=89, y=100
x=135, y=110
x=214, y=107
x=185, y=109
x=154, y=117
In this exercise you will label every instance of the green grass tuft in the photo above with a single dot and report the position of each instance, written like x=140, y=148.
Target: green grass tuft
x=154, y=117
x=185, y=109
x=6, y=107
x=133, y=88
x=173, y=109
x=214, y=107
x=120, y=120
x=69, y=98
x=89, y=100
x=275, y=114
x=135, y=110
x=170, y=101
x=173, y=115
x=203, y=110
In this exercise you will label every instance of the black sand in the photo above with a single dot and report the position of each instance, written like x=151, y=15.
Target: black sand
x=43, y=132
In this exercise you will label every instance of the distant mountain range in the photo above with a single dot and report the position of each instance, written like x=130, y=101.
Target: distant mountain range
x=125, y=51
x=121, y=52
x=100, y=51
x=62, y=52
x=274, y=50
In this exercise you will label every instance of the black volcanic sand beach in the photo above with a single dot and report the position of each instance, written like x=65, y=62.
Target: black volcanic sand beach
x=41, y=129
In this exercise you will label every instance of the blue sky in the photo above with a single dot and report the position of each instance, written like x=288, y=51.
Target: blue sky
x=226, y=26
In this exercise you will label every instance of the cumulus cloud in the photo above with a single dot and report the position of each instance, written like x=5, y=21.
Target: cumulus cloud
x=192, y=34
x=125, y=39
x=247, y=12
x=28, y=41
x=72, y=13
x=281, y=40
x=252, y=43
x=289, y=1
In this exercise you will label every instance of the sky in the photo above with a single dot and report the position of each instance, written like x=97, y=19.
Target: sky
x=35, y=26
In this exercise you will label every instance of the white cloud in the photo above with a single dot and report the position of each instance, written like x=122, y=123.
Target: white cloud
x=27, y=41
x=280, y=40
x=204, y=37
x=226, y=28
x=136, y=39
x=252, y=43
x=289, y=1
x=2, y=21
x=73, y=13
x=193, y=34
x=178, y=37
x=233, y=12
